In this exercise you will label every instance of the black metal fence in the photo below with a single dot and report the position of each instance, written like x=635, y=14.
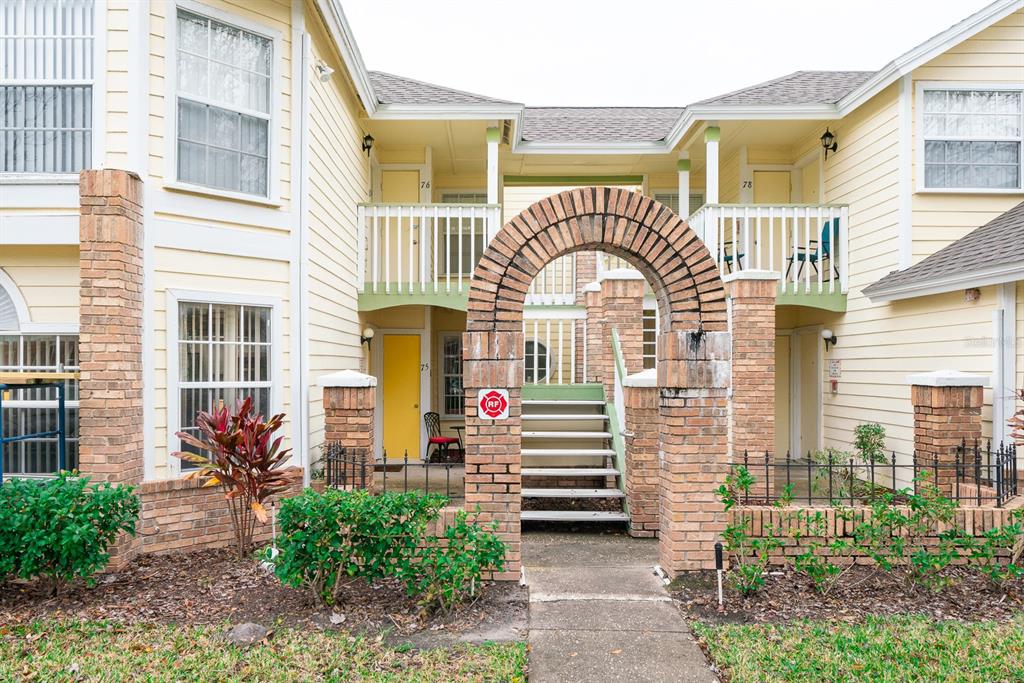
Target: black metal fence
x=349, y=468
x=978, y=475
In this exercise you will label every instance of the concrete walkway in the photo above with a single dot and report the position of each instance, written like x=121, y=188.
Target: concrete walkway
x=599, y=613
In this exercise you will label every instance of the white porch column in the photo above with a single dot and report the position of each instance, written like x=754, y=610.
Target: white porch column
x=711, y=137
x=493, y=136
x=683, y=168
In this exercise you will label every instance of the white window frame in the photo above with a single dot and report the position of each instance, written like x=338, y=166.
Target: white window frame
x=441, y=335
x=170, y=171
x=178, y=296
x=99, y=117
x=920, y=139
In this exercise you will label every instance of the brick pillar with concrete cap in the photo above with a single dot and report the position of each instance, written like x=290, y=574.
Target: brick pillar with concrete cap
x=110, y=263
x=622, y=305
x=641, y=436
x=693, y=382
x=494, y=360
x=593, y=355
x=947, y=412
x=751, y=302
x=350, y=405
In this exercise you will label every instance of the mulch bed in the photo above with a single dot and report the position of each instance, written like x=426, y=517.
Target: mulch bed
x=861, y=592
x=213, y=587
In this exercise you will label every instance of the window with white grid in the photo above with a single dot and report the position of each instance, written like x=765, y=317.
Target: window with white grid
x=650, y=322
x=46, y=85
x=451, y=375
x=34, y=410
x=224, y=355
x=972, y=138
x=671, y=200
x=224, y=97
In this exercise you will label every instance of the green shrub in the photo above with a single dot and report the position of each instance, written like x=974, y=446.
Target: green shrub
x=749, y=556
x=332, y=538
x=60, y=529
x=329, y=539
x=449, y=572
x=869, y=440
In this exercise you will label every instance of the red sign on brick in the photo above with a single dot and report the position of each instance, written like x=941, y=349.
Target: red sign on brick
x=493, y=404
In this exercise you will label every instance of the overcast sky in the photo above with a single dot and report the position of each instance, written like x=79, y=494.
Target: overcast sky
x=635, y=52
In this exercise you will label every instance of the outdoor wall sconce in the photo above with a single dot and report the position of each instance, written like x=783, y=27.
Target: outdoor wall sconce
x=323, y=71
x=830, y=338
x=367, y=336
x=367, y=143
x=828, y=141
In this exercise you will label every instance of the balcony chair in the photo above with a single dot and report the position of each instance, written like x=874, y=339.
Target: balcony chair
x=822, y=249
x=440, y=443
x=728, y=256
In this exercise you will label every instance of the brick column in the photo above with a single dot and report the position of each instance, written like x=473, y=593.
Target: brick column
x=110, y=332
x=752, y=296
x=350, y=405
x=595, y=352
x=622, y=303
x=693, y=376
x=494, y=360
x=947, y=411
x=642, y=437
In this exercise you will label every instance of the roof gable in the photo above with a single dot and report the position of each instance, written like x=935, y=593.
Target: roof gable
x=996, y=247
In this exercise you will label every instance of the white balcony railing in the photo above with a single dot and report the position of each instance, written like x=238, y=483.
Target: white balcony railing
x=555, y=285
x=422, y=248
x=555, y=347
x=808, y=244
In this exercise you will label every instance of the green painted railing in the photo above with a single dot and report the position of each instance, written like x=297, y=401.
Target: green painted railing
x=617, y=412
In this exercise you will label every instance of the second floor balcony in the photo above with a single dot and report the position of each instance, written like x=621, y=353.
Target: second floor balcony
x=426, y=253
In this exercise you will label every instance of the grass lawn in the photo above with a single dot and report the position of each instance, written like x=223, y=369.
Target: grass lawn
x=100, y=651
x=879, y=649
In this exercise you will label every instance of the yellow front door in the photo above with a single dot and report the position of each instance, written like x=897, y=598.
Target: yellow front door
x=401, y=390
x=772, y=187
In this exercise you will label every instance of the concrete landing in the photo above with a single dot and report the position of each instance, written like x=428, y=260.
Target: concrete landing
x=599, y=613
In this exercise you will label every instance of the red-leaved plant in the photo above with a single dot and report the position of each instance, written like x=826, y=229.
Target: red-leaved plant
x=1017, y=422
x=246, y=460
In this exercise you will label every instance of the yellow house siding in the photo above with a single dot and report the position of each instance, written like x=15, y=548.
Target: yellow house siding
x=217, y=274
x=995, y=55
x=47, y=278
x=339, y=174
x=117, y=98
x=273, y=16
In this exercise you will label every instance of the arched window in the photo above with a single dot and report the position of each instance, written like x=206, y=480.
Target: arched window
x=536, y=357
x=8, y=313
x=28, y=411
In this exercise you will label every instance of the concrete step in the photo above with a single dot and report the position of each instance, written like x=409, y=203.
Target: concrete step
x=537, y=434
x=569, y=472
x=566, y=452
x=573, y=493
x=573, y=516
x=567, y=418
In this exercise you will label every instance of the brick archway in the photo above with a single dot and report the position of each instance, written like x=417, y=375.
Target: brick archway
x=693, y=357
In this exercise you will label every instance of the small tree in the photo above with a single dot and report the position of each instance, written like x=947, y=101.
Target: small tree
x=246, y=460
x=869, y=440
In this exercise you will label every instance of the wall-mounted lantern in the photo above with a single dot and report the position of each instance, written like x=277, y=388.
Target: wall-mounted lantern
x=367, y=143
x=828, y=141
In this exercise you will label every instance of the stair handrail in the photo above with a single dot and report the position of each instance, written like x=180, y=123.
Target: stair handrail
x=620, y=373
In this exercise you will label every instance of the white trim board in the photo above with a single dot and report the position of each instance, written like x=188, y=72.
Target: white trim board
x=993, y=275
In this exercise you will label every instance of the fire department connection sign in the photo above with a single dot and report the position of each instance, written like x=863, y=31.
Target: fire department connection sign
x=493, y=404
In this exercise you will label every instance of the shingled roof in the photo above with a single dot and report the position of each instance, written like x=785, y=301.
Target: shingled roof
x=598, y=124
x=1000, y=242
x=392, y=89
x=797, y=88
